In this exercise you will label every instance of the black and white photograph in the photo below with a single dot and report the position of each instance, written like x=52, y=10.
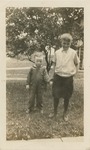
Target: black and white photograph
x=45, y=68
x=44, y=88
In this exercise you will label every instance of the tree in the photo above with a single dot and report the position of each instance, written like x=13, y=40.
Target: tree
x=32, y=29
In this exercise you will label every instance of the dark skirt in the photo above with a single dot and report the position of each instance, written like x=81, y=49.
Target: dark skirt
x=62, y=87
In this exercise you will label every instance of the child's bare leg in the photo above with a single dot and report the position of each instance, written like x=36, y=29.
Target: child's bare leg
x=56, y=102
x=66, y=103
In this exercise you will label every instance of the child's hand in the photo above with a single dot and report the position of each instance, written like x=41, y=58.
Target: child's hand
x=50, y=82
x=27, y=86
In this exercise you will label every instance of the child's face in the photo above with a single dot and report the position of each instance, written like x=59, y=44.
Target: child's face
x=38, y=61
x=66, y=44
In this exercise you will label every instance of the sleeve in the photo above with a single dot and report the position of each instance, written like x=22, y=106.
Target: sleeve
x=28, y=77
x=46, y=76
x=76, y=59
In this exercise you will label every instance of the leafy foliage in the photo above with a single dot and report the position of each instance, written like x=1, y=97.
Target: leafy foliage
x=32, y=29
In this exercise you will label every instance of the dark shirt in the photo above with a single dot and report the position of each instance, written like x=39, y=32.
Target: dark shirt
x=37, y=76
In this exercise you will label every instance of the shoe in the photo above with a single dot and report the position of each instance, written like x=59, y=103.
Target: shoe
x=52, y=115
x=29, y=111
x=65, y=118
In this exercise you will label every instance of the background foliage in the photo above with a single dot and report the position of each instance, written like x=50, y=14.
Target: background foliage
x=31, y=29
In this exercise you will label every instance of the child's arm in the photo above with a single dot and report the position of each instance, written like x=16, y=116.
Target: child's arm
x=46, y=76
x=51, y=75
x=52, y=71
x=76, y=62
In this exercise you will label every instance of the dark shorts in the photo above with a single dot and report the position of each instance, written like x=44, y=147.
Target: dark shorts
x=62, y=87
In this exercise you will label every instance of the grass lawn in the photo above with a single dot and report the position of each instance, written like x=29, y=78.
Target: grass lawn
x=22, y=126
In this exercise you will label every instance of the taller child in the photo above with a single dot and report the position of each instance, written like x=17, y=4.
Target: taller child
x=66, y=64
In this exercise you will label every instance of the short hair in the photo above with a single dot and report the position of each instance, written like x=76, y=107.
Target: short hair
x=38, y=55
x=66, y=36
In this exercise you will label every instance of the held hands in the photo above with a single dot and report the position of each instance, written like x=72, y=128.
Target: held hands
x=27, y=87
x=50, y=82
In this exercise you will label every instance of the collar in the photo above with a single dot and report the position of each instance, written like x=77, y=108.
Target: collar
x=66, y=51
x=34, y=66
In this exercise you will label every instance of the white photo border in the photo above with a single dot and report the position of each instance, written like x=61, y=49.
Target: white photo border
x=44, y=144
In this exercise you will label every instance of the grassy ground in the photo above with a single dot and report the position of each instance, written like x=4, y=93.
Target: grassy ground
x=35, y=126
x=20, y=125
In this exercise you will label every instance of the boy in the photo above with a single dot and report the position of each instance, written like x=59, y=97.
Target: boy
x=65, y=63
x=36, y=80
